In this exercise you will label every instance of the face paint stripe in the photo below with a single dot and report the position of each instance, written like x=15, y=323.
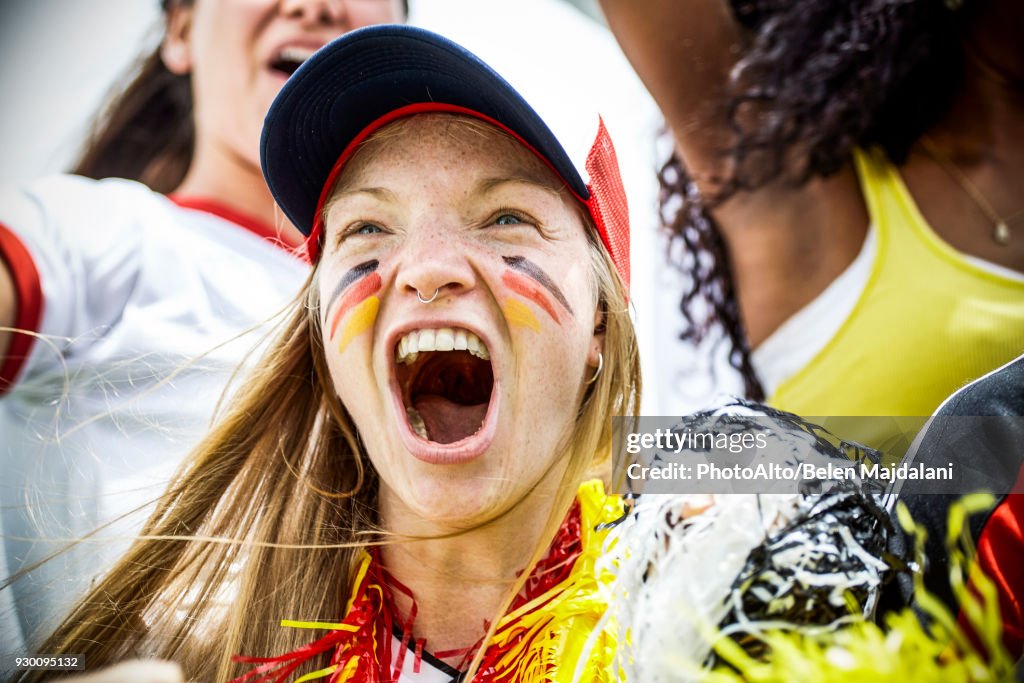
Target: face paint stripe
x=362, y=318
x=523, y=287
x=518, y=313
x=351, y=276
x=528, y=267
x=357, y=293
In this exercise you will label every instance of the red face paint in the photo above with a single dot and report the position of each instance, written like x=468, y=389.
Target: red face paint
x=527, y=284
x=527, y=288
x=358, y=291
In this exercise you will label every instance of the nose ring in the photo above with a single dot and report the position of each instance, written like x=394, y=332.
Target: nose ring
x=427, y=301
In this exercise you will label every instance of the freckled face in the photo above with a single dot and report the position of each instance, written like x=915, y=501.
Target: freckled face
x=472, y=419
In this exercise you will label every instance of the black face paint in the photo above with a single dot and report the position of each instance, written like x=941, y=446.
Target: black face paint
x=362, y=270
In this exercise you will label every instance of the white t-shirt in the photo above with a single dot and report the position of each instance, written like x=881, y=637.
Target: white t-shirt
x=145, y=310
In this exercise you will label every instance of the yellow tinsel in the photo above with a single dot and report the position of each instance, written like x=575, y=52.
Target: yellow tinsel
x=560, y=632
x=901, y=650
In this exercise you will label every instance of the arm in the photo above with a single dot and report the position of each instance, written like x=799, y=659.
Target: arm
x=8, y=305
x=20, y=306
x=683, y=52
x=68, y=248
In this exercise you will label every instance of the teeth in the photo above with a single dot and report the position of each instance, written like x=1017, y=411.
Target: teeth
x=443, y=339
x=416, y=420
x=476, y=347
x=296, y=54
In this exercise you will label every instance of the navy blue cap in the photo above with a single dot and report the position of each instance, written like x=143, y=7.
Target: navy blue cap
x=365, y=75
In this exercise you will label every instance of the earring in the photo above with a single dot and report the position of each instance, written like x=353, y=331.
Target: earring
x=427, y=301
x=600, y=367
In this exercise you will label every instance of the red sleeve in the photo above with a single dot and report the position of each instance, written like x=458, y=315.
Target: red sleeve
x=1001, y=557
x=28, y=305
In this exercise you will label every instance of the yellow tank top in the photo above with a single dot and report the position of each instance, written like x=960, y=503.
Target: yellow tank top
x=928, y=321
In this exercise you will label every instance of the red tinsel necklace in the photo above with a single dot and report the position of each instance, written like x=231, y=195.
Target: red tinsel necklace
x=361, y=644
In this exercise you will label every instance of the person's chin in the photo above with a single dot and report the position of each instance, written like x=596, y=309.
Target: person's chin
x=458, y=500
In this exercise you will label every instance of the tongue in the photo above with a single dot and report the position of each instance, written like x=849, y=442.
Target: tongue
x=447, y=421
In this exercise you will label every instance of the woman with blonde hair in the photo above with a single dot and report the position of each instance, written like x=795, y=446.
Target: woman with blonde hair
x=131, y=290
x=404, y=469
x=408, y=488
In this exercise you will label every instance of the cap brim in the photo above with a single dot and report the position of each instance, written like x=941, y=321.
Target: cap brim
x=361, y=77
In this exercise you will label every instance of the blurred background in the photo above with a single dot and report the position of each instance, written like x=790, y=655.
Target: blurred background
x=60, y=58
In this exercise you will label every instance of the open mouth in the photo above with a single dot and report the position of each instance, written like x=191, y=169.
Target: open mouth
x=446, y=383
x=290, y=59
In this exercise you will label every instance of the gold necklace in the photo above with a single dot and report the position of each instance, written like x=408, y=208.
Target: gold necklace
x=1001, y=224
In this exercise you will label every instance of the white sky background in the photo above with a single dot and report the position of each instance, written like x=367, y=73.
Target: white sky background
x=59, y=59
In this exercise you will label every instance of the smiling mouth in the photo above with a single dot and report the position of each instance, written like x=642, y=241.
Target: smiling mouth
x=290, y=59
x=446, y=382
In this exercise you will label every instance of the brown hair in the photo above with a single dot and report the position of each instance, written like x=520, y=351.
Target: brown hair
x=146, y=132
x=269, y=514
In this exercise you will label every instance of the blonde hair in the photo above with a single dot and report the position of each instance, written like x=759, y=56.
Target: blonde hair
x=268, y=516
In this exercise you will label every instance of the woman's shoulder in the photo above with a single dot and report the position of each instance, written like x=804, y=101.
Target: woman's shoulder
x=67, y=187
x=65, y=201
x=123, y=215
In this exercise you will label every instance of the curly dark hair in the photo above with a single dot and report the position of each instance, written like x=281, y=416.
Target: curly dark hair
x=817, y=78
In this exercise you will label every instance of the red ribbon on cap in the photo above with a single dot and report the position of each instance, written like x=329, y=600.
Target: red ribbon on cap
x=607, y=204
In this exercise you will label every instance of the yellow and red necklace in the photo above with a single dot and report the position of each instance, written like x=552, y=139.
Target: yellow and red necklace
x=521, y=650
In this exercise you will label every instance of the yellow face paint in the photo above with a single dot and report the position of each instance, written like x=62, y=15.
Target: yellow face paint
x=360, y=319
x=518, y=313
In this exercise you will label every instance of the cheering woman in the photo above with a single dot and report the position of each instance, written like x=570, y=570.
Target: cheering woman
x=403, y=490
x=125, y=307
x=443, y=384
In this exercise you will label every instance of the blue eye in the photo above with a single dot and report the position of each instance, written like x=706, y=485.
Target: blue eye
x=508, y=219
x=367, y=229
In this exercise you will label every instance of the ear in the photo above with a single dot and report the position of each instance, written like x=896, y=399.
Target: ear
x=597, y=340
x=176, y=50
